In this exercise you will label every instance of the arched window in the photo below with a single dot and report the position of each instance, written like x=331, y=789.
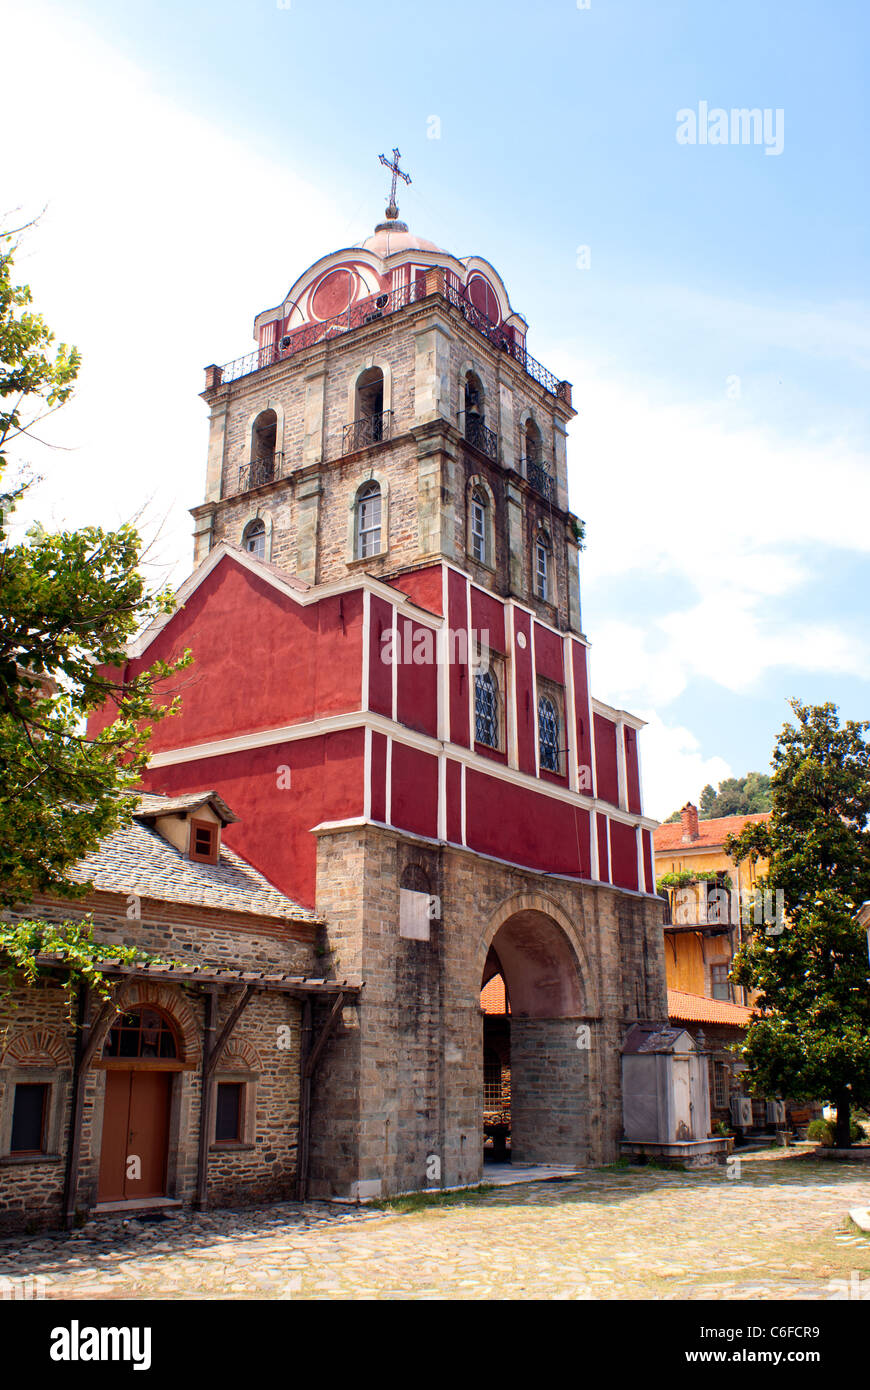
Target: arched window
x=141, y=1032
x=548, y=734
x=543, y=580
x=479, y=527
x=254, y=538
x=486, y=709
x=264, y=437
x=368, y=521
x=371, y=422
x=532, y=442
x=473, y=401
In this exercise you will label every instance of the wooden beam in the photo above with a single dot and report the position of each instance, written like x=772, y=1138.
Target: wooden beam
x=310, y=1058
x=323, y=1036
x=77, y=1109
x=218, y=1049
x=206, y=1092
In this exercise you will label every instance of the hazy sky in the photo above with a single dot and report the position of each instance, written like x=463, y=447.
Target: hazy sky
x=195, y=158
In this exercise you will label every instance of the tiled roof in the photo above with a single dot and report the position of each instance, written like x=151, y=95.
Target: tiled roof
x=135, y=859
x=152, y=805
x=493, y=998
x=668, y=839
x=697, y=1008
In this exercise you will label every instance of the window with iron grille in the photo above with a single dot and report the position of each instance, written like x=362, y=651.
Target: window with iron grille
x=721, y=1085
x=254, y=539
x=478, y=528
x=542, y=567
x=486, y=709
x=548, y=734
x=368, y=521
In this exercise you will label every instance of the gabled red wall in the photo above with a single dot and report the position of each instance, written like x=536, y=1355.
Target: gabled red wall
x=422, y=587
x=260, y=660
x=326, y=784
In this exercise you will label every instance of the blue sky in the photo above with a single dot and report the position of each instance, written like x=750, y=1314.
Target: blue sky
x=196, y=158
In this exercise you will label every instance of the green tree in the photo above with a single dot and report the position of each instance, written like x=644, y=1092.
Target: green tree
x=810, y=1034
x=68, y=604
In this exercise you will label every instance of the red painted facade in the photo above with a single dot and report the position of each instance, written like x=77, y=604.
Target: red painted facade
x=347, y=691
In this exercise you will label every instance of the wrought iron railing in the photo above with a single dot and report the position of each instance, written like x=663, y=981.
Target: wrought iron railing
x=505, y=341
x=539, y=477
x=260, y=471
x=377, y=306
x=478, y=435
x=370, y=429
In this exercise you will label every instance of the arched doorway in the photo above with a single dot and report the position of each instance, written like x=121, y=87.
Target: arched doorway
x=541, y=1037
x=140, y=1055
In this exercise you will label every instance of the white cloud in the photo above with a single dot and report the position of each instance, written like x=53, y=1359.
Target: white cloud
x=674, y=769
x=732, y=515
x=163, y=236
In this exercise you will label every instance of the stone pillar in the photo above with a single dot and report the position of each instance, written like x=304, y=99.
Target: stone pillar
x=517, y=580
x=308, y=495
x=217, y=428
x=313, y=418
x=432, y=371
x=203, y=530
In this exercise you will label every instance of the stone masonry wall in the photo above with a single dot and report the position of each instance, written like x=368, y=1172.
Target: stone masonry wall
x=404, y=1083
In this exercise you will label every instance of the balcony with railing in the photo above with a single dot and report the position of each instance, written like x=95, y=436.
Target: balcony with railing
x=539, y=477
x=379, y=306
x=504, y=340
x=476, y=433
x=260, y=471
x=368, y=430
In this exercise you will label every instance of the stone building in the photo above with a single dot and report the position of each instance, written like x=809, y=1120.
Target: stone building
x=391, y=688
x=101, y=1101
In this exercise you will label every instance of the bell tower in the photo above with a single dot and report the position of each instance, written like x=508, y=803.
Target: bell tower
x=390, y=417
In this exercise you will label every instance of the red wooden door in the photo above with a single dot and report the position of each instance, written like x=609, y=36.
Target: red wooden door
x=135, y=1127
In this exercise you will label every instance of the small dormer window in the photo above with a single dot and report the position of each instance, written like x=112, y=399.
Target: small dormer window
x=204, y=844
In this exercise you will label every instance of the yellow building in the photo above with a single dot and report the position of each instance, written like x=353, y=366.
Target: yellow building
x=706, y=891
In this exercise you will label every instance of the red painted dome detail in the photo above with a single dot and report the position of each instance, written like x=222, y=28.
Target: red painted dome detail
x=484, y=298
x=333, y=294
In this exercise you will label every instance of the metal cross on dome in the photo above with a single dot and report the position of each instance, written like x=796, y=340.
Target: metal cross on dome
x=392, y=210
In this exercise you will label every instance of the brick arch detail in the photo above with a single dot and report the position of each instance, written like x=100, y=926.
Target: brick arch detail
x=548, y=907
x=38, y=1047
x=173, y=1003
x=240, y=1055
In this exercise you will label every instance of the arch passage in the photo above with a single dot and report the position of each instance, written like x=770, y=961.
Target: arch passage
x=540, y=1035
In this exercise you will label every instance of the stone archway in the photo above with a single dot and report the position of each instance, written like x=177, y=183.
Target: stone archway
x=548, y=998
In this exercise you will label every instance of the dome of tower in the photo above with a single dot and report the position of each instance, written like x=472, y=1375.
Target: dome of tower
x=391, y=237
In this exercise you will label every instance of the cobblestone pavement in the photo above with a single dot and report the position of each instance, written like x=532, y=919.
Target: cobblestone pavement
x=780, y=1230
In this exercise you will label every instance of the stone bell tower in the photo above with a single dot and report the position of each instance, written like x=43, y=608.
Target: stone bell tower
x=393, y=692
x=389, y=417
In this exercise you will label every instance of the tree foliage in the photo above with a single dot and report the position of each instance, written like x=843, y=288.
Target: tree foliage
x=810, y=1035
x=736, y=796
x=69, y=602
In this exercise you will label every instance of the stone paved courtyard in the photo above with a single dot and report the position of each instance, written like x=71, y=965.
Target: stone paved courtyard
x=780, y=1230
